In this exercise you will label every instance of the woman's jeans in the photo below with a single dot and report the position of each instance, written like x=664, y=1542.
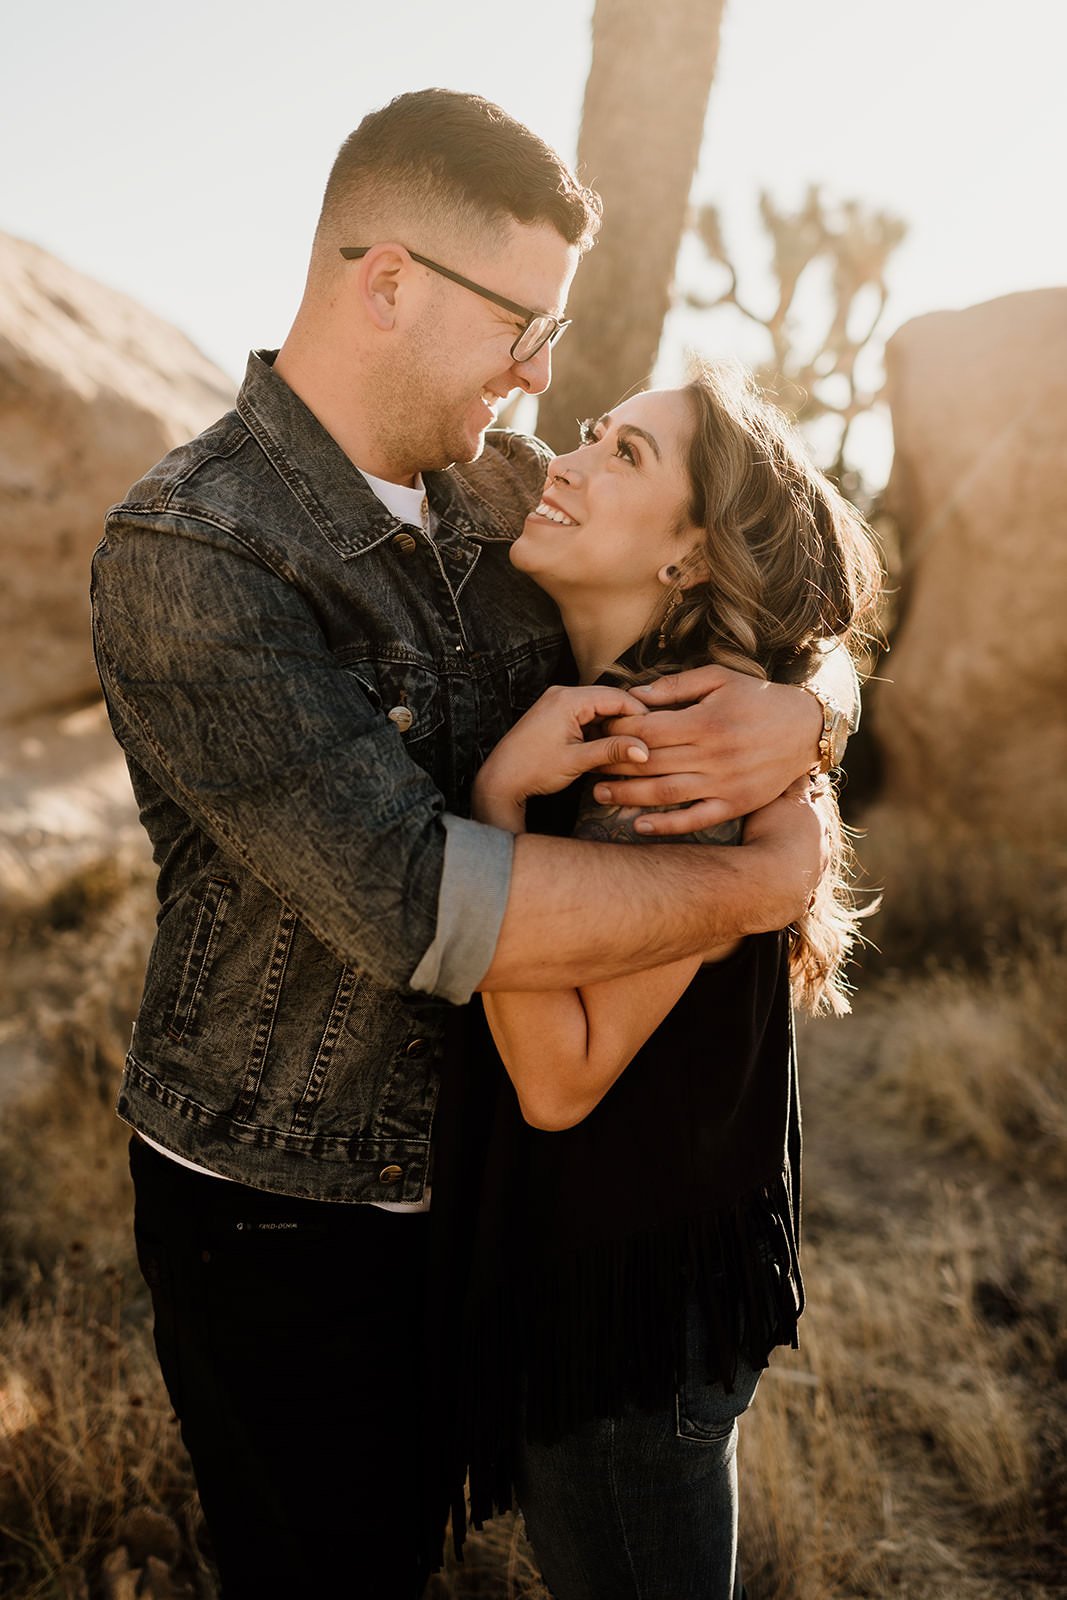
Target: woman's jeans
x=643, y=1506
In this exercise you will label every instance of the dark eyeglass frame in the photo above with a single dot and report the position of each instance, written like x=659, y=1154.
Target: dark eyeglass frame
x=556, y=325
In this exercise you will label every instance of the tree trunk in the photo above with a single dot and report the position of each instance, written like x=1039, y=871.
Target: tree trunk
x=642, y=124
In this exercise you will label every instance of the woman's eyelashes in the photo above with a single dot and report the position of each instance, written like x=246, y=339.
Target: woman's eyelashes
x=587, y=434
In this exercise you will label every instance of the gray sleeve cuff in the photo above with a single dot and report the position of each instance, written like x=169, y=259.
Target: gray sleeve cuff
x=474, y=887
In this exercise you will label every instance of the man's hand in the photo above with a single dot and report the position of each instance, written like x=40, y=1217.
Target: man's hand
x=792, y=838
x=547, y=749
x=736, y=743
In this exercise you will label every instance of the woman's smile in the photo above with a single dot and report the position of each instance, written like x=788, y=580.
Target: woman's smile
x=548, y=511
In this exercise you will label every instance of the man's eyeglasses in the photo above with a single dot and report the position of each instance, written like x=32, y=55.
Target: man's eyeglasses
x=538, y=329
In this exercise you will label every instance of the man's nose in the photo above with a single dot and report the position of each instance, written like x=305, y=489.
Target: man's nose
x=535, y=375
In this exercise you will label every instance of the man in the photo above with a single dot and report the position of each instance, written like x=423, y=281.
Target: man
x=309, y=636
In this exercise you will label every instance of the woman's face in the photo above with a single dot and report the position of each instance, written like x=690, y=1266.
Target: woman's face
x=613, y=513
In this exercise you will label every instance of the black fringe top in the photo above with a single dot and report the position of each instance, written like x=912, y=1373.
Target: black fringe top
x=683, y=1183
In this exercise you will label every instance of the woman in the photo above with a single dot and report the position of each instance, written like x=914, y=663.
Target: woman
x=640, y=1218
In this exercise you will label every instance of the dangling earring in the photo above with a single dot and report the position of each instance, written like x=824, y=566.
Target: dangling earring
x=674, y=600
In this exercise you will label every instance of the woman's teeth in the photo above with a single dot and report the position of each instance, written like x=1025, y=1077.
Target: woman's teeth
x=555, y=516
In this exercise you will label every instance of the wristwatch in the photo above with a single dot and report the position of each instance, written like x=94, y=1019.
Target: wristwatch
x=835, y=732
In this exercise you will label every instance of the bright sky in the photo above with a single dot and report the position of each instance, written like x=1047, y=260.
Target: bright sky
x=180, y=153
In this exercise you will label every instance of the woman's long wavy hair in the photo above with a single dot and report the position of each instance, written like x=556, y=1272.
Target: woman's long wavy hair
x=790, y=565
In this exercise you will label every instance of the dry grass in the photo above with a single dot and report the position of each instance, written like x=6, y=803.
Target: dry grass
x=72, y=978
x=87, y=1437
x=954, y=895
x=981, y=1065
x=918, y=1443
x=916, y=1446
x=907, y=1441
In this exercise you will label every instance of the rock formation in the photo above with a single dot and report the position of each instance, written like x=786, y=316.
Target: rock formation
x=93, y=390
x=973, y=723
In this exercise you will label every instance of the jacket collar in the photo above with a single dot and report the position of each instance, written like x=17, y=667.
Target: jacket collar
x=320, y=476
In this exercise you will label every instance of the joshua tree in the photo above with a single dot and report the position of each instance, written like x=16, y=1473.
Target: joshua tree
x=855, y=244
x=642, y=122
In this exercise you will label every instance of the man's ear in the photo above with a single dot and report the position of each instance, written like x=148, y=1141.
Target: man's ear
x=381, y=273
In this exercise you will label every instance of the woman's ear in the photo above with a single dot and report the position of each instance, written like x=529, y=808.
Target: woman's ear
x=691, y=570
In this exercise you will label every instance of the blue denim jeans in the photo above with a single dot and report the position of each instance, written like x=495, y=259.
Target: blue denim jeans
x=643, y=1506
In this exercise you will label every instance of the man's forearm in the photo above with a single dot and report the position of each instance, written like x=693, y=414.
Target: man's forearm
x=581, y=912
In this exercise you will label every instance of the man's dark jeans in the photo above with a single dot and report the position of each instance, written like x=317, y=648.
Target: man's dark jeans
x=291, y=1334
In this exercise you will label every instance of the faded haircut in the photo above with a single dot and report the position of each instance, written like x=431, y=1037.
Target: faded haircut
x=450, y=161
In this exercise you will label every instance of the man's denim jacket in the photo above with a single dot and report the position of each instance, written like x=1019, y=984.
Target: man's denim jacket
x=304, y=688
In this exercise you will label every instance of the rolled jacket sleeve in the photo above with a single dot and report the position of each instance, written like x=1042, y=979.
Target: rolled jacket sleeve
x=222, y=689
x=475, y=880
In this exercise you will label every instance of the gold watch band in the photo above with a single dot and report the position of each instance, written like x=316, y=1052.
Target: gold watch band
x=833, y=738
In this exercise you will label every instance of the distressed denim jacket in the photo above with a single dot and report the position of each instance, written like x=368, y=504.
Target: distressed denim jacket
x=304, y=688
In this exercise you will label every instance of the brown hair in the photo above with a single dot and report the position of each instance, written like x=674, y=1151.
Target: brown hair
x=790, y=566
x=452, y=157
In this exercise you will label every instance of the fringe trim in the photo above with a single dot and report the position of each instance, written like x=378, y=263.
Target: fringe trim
x=585, y=1334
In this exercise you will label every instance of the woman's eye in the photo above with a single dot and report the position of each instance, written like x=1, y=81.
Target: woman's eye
x=587, y=434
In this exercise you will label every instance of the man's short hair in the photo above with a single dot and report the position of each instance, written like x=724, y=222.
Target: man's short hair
x=457, y=158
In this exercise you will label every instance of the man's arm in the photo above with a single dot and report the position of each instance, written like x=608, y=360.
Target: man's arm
x=580, y=912
x=223, y=689
x=577, y=914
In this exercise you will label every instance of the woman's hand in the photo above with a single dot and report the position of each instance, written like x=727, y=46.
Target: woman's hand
x=547, y=749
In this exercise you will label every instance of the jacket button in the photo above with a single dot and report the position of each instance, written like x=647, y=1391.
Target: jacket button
x=417, y=1047
x=405, y=543
x=401, y=718
x=390, y=1174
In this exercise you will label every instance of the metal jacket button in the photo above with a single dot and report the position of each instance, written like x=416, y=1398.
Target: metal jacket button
x=390, y=1174
x=401, y=718
x=405, y=543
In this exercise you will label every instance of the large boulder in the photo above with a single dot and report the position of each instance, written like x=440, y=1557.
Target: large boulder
x=973, y=722
x=93, y=390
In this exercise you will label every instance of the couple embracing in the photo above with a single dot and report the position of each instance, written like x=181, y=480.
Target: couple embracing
x=465, y=1144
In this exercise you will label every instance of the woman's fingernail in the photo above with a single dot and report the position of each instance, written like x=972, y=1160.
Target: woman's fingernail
x=643, y=827
x=637, y=753
x=601, y=792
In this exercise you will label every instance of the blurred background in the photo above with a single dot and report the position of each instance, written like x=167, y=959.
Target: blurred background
x=858, y=201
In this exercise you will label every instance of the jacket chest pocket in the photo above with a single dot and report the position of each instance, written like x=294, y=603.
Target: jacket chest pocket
x=409, y=696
